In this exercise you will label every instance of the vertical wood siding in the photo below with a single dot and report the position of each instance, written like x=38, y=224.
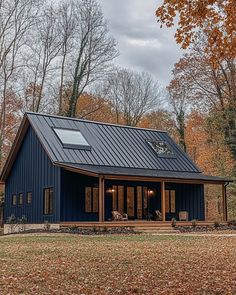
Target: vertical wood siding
x=73, y=196
x=32, y=172
x=189, y=197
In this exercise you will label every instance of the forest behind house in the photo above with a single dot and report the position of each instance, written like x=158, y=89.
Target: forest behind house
x=61, y=59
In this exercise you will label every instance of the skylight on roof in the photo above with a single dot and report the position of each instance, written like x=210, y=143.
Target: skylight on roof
x=161, y=148
x=72, y=138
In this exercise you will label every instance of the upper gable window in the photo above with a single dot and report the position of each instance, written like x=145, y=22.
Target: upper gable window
x=161, y=148
x=72, y=138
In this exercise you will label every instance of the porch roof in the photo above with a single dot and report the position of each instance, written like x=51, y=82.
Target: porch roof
x=113, y=172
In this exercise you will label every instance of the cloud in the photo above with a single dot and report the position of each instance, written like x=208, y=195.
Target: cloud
x=143, y=45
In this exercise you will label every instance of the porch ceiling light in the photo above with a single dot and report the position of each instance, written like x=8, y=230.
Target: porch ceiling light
x=111, y=190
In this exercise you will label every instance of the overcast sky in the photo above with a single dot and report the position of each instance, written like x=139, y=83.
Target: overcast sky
x=142, y=44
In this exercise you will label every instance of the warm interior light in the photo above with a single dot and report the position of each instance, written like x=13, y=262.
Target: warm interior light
x=150, y=192
x=111, y=190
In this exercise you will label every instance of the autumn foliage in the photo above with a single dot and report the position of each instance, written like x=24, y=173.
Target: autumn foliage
x=115, y=265
x=216, y=18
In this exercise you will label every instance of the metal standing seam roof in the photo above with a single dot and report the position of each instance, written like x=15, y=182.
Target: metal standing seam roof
x=115, y=149
x=111, y=145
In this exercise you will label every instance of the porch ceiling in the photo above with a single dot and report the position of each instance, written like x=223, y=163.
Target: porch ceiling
x=123, y=172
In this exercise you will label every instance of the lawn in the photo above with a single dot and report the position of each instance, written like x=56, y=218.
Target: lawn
x=71, y=264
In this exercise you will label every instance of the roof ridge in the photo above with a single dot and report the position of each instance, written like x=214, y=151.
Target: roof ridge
x=94, y=122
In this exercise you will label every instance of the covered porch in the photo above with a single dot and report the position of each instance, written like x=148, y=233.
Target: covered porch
x=90, y=198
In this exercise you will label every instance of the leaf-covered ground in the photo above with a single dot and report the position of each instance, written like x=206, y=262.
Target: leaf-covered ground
x=69, y=264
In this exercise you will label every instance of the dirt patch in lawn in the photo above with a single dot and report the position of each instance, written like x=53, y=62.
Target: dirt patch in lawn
x=137, y=264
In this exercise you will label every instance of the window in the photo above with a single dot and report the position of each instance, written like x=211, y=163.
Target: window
x=91, y=199
x=29, y=198
x=170, y=201
x=72, y=138
x=161, y=148
x=20, y=202
x=14, y=200
x=48, y=201
x=130, y=201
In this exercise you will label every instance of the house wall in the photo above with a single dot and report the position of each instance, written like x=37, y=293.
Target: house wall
x=32, y=171
x=73, y=196
x=189, y=197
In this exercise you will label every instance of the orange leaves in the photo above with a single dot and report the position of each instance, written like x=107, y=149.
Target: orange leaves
x=207, y=147
x=95, y=108
x=216, y=18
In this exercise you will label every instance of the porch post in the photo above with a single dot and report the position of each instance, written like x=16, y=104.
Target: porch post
x=101, y=198
x=224, y=202
x=163, y=201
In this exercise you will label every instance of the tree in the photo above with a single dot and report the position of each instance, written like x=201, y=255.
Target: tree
x=216, y=18
x=43, y=47
x=67, y=28
x=94, y=108
x=178, y=97
x=96, y=49
x=132, y=95
x=211, y=88
x=16, y=19
x=160, y=119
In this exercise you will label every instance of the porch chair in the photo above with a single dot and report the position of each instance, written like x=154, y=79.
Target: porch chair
x=117, y=216
x=158, y=215
x=183, y=215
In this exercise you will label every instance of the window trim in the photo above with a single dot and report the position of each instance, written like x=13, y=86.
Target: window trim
x=20, y=195
x=52, y=209
x=12, y=197
x=92, y=203
x=171, y=155
x=70, y=145
x=168, y=194
x=30, y=192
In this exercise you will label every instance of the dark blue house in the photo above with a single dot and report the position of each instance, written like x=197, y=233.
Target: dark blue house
x=63, y=169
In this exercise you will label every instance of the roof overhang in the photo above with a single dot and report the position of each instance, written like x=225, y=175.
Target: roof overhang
x=132, y=174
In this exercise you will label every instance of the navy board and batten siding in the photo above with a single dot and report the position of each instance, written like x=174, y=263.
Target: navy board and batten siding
x=73, y=196
x=190, y=198
x=117, y=152
x=32, y=171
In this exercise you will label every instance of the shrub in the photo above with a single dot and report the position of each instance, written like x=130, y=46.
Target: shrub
x=94, y=229
x=194, y=223
x=105, y=229
x=173, y=222
x=22, y=220
x=232, y=223
x=73, y=227
x=47, y=225
x=216, y=224
x=11, y=219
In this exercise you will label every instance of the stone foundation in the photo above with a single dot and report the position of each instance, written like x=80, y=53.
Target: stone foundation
x=17, y=228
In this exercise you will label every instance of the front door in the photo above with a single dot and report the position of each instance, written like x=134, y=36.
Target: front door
x=137, y=202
